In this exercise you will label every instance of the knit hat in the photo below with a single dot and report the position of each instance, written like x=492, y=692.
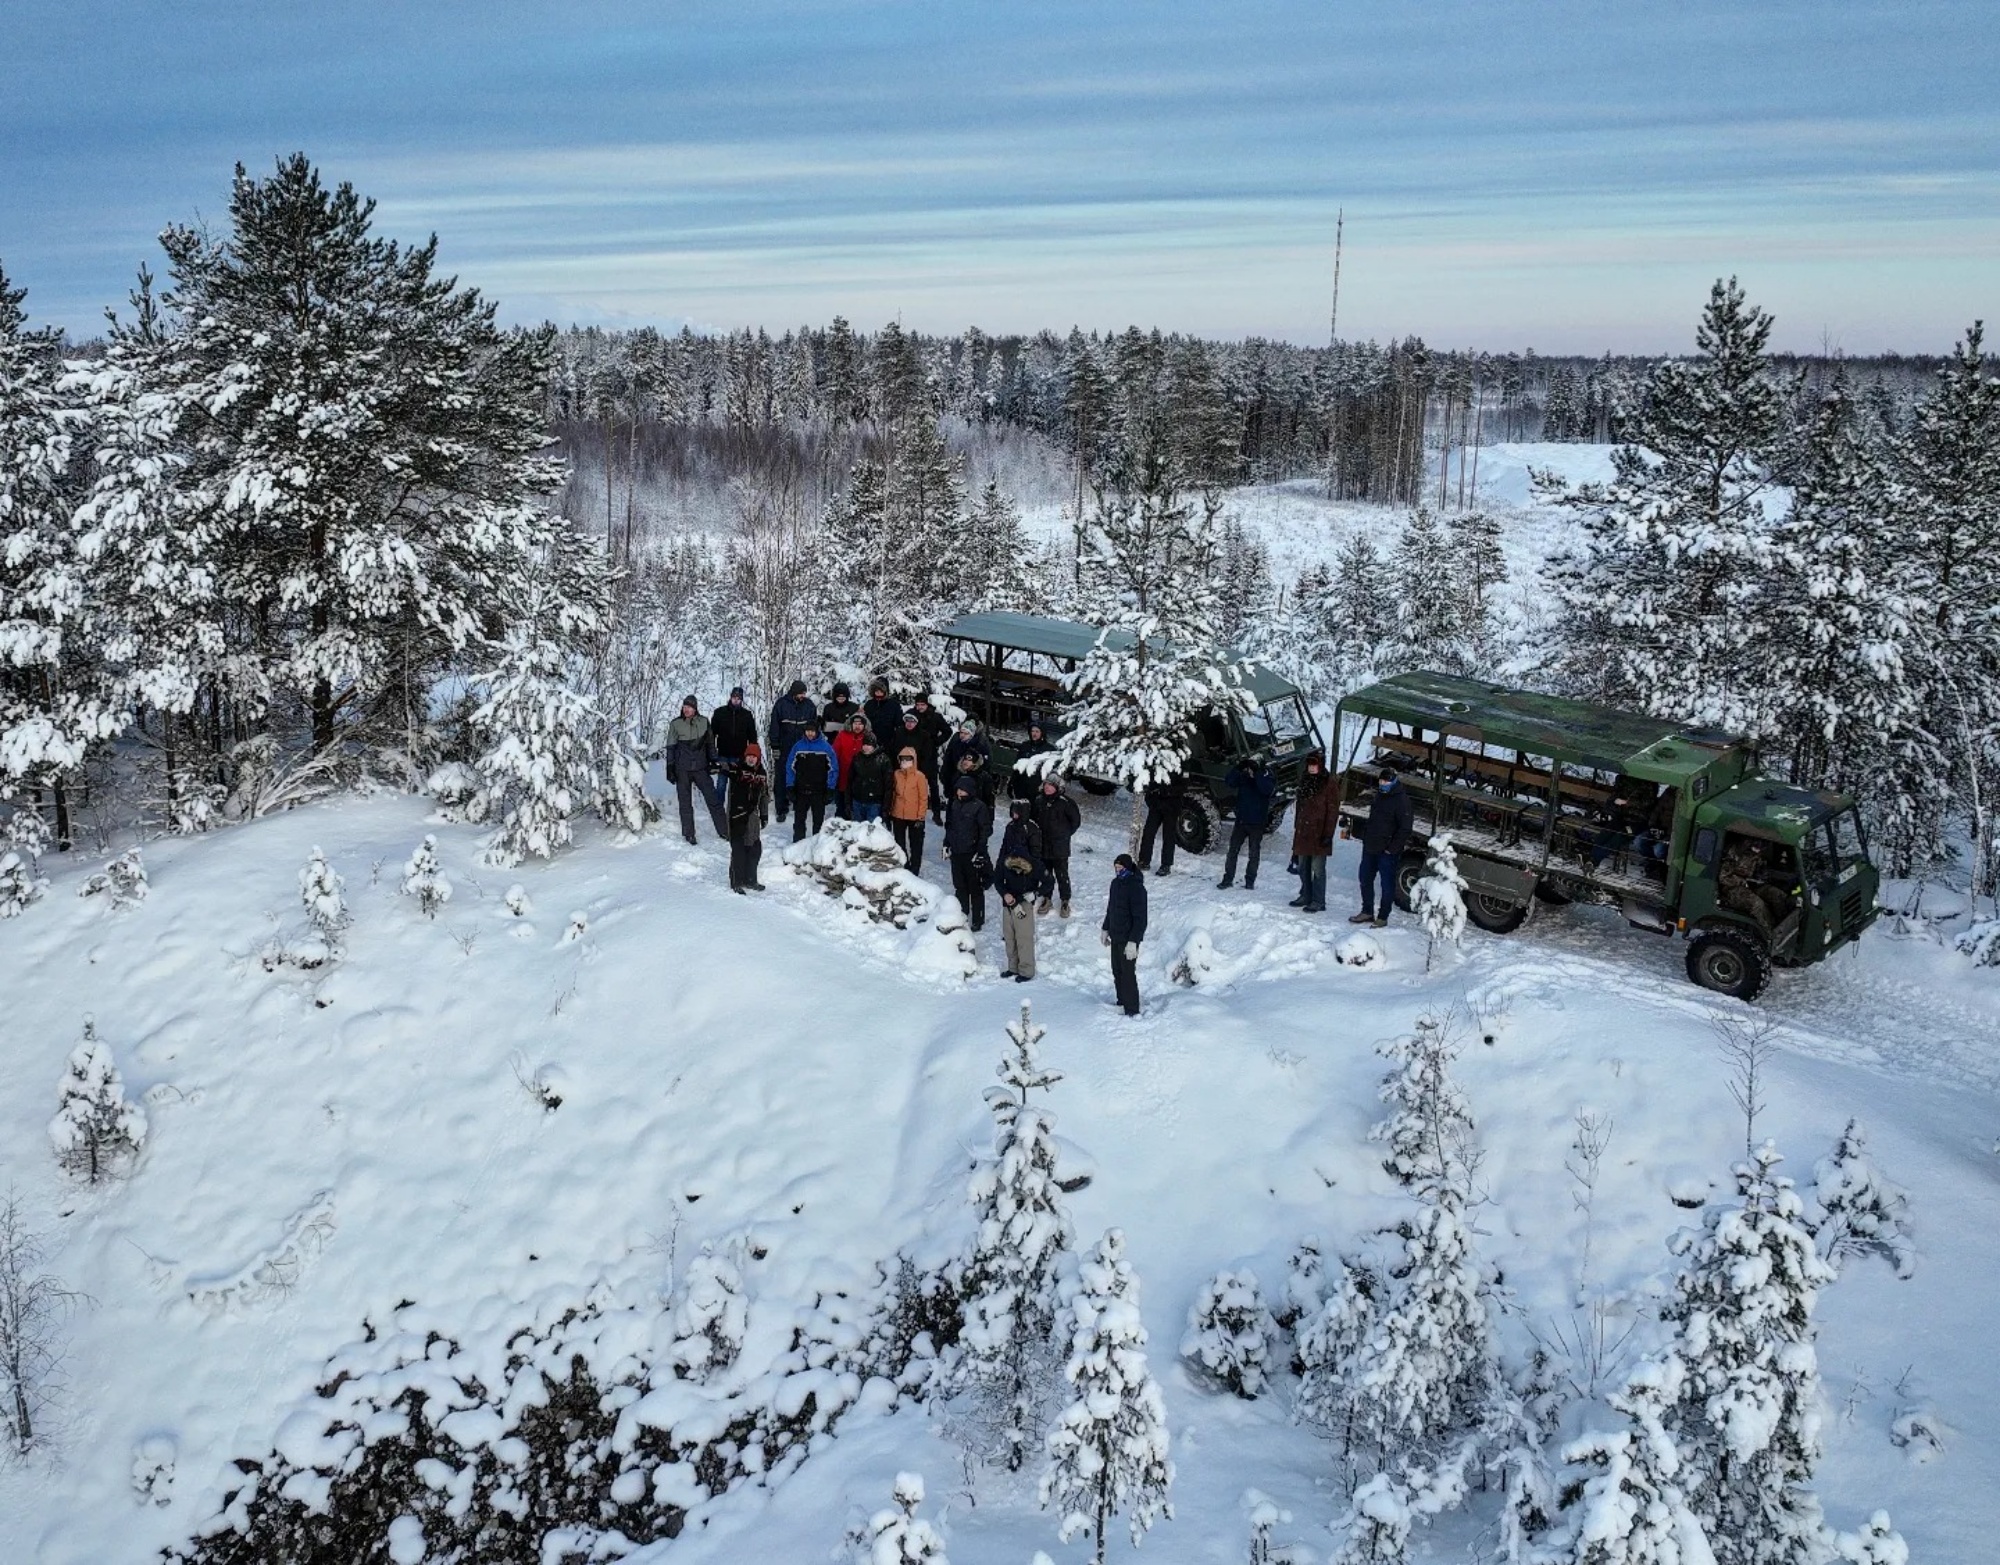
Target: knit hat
x=909, y=717
x=797, y=688
x=690, y=701
x=735, y=691
x=840, y=692
x=751, y=752
x=1125, y=861
x=1018, y=808
x=812, y=725
x=966, y=788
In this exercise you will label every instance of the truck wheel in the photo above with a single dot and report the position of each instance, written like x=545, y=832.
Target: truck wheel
x=1729, y=962
x=1096, y=787
x=1277, y=819
x=1495, y=915
x=1553, y=895
x=1409, y=870
x=1196, y=826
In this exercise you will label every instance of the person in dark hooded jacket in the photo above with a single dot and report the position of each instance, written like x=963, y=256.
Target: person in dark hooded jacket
x=749, y=808
x=884, y=713
x=967, y=741
x=1020, y=878
x=1384, y=836
x=789, y=716
x=1163, y=807
x=1060, y=820
x=968, y=825
x=838, y=710
x=1025, y=784
x=1124, y=927
x=734, y=725
x=868, y=781
x=811, y=771
x=928, y=738
x=1255, y=786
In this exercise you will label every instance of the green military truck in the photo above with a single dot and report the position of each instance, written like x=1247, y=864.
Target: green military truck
x=1008, y=671
x=1555, y=801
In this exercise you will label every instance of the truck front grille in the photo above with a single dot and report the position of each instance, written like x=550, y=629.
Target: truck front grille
x=1853, y=907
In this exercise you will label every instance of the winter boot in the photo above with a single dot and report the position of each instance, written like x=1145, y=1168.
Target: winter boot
x=1042, y=908
x=1065, y=910
x=1298, y=901
x=1362, y=918
x=1224, y=884
x=1382, y=922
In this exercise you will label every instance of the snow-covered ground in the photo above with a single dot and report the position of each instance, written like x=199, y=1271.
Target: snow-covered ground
x=777, y=1071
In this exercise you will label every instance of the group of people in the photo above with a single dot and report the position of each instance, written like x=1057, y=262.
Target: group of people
x=938, y=775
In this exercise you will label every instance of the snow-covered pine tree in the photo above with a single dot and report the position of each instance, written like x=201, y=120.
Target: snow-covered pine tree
x=1746, y=1415
x=1519, y=1423
x=96, y=1133
x=23, y=840
x=1108, y=1451
x=1877, y=1543
x=1206, y=421
x=1474, y=538
x=1007, y=575
x=1633, y=1508
x=50, y=707
x=1305, y=1284
x=1229, y=1333
x=424, y=879
x=1859, y=1208
x=1376, y=1529
x=1159, y=664
x=1438, y=898
x=898, y=1535
x=1330, y=1341
x=1358, y=613
x=1432, y=626
x=1652, y=606
x=320, y=889
x=1429, y=1131
x=1009, y=1291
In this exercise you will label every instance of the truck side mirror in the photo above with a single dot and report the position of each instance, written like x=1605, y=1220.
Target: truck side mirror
x=1704, y=845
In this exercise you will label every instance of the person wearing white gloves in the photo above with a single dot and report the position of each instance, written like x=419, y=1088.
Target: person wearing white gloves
x=1124, y=927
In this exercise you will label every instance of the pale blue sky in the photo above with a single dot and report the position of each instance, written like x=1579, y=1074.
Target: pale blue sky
x=1560, y=175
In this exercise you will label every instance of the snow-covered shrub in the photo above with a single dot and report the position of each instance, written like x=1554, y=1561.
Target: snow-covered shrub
x=1429, y=1129
x=425, y=880
x=1305, y=1283
x=1438, y=897
x=153, y=1461
x=711, y=1319
x=1264, y=1515
x=1229, y=1333
x=96, y=1133
x=1747, y=1413
x=573, y=931
x=1328, y=1349
x=23, y=840
x=1520, y=1421
x=1859, y=1209
x=123, y=880
x=1360, y=950
x=1981, y=942
x=1877, y=1543
x=1633, y=1508
x=516, y=902
x=898, y=1535
x=1023, y=1233
x=1376, y=1529
x=1108, y=1452
x=321, y=890
x=455, y=787
x=859, y=862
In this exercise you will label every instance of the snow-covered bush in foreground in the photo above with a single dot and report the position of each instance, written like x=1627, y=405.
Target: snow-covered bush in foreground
x=1877, y=1543
x=22, y=842
x=321, y=891
x=1981, y=942
x=425, y=880
x=1633, y=1507
x=1859, y=1209
x=96, y=1133
x=1429, y=1129
x=711, y=1320
x=1359, y=950
x=1108, y=1452
x=123, y=880
x=859, y=862
x=898, y=1535
x=1438, y=897
x=1229, y=1333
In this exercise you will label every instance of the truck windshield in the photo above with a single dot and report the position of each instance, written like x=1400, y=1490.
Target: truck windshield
x=1276, y=722
x=1849, y=847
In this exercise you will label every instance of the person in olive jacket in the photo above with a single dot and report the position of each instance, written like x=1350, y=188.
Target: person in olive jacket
x=868, y=781
x=735, y=725
x=789, y=716
x=690, y=758
x=1384, y=836
x=1124, y=927
x=1315, y=813
x=1060, y=820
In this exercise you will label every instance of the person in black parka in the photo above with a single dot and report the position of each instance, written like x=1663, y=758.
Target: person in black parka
x=1124, y=928
x=968, y=825
x=749, y=808
x=928, y=738
x=1384, y=836
x=789, y=715
x=1060, y=820
x=734, y=725
x=1163, y=808
x=1255, y=786
x=885, y=716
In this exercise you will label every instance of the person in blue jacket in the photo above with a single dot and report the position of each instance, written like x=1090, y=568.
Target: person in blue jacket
x=1255, y=785
x=1124, y=927
x=789, y=716
x=811, y=771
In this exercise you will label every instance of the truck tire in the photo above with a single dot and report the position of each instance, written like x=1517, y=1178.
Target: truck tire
x=1553, y=895
x=1409, y=870
x=1729, y=961
x=1096, y=787
x=1196, y=826
x=1495, y=915
x=1277, y=819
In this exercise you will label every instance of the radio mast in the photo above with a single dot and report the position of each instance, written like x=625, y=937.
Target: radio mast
x=1333, y=322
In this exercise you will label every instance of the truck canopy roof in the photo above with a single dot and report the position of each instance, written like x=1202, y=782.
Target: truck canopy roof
x=1599, y=737
x=1071, y=639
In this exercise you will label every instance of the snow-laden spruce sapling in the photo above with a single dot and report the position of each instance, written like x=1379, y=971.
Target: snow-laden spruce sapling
x=1429, y=1131
x=1264, y=1514
x=23, y=840
x=1859, y=1208
x=1746, y=1413
x=96, y=1133
x=33, y=1305
x=1229, y=1333
x=321, y=891
x=1329, y=1344
x=1631, y=1505
x=1520, y=1421
x=425, y=880
x=1305, y=1284
x=1874, y=1543
x=1376, y=1529
x=1438, y=898
x=711, y=1319
x=1023, y=1233
x=897, y=1535
x=516, y=902
x=123, y=880
x=1108, y=1451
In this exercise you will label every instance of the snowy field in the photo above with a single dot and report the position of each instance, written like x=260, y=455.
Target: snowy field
x=782, y=1080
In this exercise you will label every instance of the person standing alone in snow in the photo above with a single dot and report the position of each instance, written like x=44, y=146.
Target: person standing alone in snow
x=810, y=773
x=1124, y=928
x=1254, y=784
x=749, y=809
x=1020, y=878
x=1384, y=835
x=967, y=826
x=789, y=716
x=690, y=756
x=1060, y=820
x=909, y=803
x=1313, y=818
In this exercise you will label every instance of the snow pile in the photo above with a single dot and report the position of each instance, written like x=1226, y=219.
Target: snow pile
x=1360, y=950
x=859, y=862
x=1276, y=948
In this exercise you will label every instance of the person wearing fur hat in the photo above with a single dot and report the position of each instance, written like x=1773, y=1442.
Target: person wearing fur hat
x=1019, y=878
x=690, y=758
x=909, y=803
x=838, y=709
x=884, y=713
x=749, y=808
x=811, y=769
x=735, y=725
x=789, y=716
x=1124, y=927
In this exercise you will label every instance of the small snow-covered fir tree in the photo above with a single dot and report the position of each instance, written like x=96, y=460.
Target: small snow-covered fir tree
x=1429, y=1129
x=710, y=1320
x=1108, y=1452
x=22, y=842
x=1877, y=1543
x=1305, y=1284
x=1514, y=1436
x=320, y=889
x=1438, y=898
x=1229, y=1333
x=1747, y=1413
x=96, y=1133
x=425, y=880
x=1633, y=1509
x=1330, y=1341
x=1432, y=628
x=898, y=1535
x=1376, y=1529
x=1859, y=1209
x=1010, y=1294
x=123, y=880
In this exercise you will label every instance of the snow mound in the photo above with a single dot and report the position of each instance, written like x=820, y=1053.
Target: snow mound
x=1274, y=950
x=859, y=862
x=1359, y=950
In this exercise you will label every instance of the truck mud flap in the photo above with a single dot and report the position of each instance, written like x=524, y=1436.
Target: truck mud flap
x=1645, y=917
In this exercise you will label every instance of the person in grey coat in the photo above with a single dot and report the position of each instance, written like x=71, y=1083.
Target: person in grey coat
x=690, y=758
